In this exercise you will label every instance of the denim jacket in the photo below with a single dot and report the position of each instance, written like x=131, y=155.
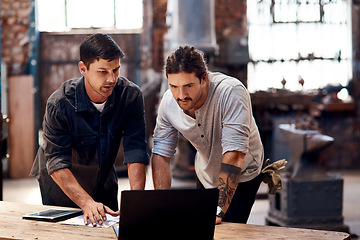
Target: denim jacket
x=79, y=137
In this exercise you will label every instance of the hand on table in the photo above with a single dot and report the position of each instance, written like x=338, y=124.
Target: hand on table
x=96, y=213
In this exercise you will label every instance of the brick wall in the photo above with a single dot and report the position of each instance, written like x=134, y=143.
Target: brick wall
x=230, y=20
x=158, y=32
x=14, y=35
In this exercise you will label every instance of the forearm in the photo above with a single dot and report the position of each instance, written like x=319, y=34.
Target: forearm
x=228, y=181
x=70, y=186
x=230, y=172
x=161, y=171
x=137, y=176
x=93, y=211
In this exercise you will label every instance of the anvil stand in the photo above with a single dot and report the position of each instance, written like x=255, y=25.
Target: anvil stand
x=310, y=198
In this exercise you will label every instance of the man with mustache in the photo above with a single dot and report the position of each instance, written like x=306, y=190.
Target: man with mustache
x=212, y=111
x=84, y=123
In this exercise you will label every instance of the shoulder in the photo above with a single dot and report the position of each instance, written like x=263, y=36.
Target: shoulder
x=168, y=105
x=168, y=95
x=226, y=88
x=125, y=83
x=66, y=91
x=221, y=80
x=125, y=87
x=168, y=99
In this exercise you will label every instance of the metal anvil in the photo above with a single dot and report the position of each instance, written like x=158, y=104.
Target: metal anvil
x=305, y=145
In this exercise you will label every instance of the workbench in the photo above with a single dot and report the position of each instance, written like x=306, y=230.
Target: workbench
x=12, y=226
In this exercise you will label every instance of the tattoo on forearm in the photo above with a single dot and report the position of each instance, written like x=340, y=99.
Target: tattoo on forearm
x=228, y=180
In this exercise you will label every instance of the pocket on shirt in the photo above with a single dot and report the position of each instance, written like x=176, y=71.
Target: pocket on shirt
x=84, y=150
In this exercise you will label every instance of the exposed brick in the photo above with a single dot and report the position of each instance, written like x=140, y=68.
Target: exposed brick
x=14, y=35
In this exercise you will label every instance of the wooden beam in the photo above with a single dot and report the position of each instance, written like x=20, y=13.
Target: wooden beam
x=21, y=125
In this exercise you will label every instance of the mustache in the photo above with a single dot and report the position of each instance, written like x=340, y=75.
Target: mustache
x=185, y=99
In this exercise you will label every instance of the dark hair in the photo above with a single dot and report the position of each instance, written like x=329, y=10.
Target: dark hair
x=186, y=59
x=98, y=46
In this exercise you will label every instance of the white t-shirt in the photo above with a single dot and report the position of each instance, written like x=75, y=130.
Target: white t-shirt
x=99, y=106
x=224, y=123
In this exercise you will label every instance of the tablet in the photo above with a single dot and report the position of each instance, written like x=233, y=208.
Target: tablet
x=52, y=215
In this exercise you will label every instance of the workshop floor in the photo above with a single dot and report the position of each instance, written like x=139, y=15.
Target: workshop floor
x=26, y=190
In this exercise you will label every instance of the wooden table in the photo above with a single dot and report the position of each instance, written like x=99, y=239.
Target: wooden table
x=12, y=226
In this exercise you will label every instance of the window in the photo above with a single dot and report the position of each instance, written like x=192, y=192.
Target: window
x=297, y=40
x=63, y=15
x=296, y=11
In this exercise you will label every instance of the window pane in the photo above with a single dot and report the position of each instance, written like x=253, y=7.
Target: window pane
x=129, y=14
x=51, y=15
x=309, y=11
x=259, y=13
x=90, y=13
x=285, y=11
x=336, y=12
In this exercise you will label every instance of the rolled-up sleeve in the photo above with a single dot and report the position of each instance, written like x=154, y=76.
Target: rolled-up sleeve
x=134, y=138
x=236, y=120
x=165, y=135
x=57, y=140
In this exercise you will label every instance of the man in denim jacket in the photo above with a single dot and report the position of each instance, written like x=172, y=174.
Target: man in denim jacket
x=84, y=122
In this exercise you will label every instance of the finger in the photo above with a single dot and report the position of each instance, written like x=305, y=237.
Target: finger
x=92, y=219
x=89, y=219
x=86, y=219
x=111, y=212
x=98, y=219
x=102, y=212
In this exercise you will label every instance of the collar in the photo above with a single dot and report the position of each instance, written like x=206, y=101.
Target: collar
x=83, y=102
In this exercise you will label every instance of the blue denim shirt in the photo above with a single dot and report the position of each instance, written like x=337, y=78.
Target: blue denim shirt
x=79, y=137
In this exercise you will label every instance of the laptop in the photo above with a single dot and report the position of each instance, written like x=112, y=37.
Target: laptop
x=167, y=214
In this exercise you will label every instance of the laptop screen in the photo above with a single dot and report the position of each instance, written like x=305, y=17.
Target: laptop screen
x=168, y=214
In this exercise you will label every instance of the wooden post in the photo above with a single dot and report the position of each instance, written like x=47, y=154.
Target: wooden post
x=21, y=125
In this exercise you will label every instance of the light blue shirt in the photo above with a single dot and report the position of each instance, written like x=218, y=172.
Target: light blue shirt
x=224, y=123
